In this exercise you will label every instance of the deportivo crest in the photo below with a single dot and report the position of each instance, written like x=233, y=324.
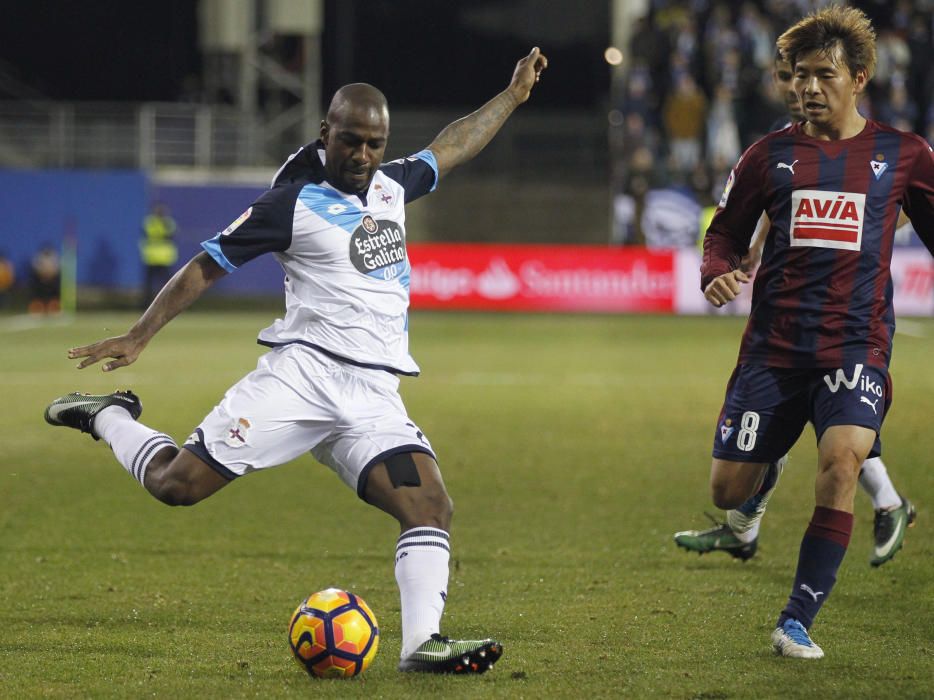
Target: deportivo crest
x=236, y=224
x=377, y=248
x=823, y=219
x=238, y=433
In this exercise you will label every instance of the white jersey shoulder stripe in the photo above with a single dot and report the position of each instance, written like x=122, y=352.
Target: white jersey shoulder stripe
x=331, y=206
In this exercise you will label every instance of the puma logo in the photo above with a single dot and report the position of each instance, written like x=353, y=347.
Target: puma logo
x=872, y=404
x=810, y=591
x=785, y=165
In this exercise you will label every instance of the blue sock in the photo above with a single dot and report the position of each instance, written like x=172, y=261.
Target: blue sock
x=822, y=550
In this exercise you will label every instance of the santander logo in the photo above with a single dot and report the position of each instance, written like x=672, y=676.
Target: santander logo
x=607, y=280
x=497, y=281
x=827, y=219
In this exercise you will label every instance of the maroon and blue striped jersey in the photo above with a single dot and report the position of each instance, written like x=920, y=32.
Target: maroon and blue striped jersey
x=822, y=296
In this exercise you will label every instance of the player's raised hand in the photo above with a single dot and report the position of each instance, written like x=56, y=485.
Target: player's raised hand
x=725, y=288
x=122, y=348
x=526, y=74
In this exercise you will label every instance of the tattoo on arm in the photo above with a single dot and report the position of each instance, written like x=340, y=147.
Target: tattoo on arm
x=463, y=139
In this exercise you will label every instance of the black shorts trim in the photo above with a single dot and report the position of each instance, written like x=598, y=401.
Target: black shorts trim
x=201, y=452
x=401, y=449
x=335, y=356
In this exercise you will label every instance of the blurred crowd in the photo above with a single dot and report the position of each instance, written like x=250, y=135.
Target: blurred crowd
x=697, y=91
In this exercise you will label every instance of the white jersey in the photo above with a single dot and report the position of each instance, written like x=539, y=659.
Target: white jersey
x=346, y=268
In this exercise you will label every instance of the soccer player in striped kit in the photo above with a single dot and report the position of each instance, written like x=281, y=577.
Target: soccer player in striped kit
x=334, y=219
x=818, y=341
x=738, y=536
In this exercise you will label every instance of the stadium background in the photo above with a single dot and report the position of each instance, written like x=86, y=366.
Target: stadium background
x=574, y=445
x=194, y=104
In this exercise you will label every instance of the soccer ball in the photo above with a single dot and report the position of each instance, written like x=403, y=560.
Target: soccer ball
x=333, y=634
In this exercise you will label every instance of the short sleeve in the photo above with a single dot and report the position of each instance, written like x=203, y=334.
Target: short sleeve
x=265, y=227
x=417, y=173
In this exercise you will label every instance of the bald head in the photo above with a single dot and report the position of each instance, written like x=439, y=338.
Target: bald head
x=359, y=98
x=354, y=134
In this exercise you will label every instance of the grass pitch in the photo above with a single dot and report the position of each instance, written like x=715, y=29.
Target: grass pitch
x=573, y=448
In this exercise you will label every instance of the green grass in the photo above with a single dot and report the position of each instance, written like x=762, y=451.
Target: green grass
x=573, y=448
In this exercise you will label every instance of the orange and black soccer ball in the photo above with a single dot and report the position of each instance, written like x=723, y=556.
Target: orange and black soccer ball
x=333, y=634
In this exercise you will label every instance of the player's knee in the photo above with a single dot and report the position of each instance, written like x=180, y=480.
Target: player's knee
x=447, y=510
x=432, y=507
x=172, y=492
x=166, y=486
x=436, y=509
x=841, y=468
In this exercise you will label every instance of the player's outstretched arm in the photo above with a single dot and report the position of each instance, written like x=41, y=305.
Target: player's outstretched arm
x=461, y=140
x=178, y=294
x=725, y=288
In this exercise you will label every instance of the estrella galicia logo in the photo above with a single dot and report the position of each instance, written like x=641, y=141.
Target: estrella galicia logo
x=377, y=248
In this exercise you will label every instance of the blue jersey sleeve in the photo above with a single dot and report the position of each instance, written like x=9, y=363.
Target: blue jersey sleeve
x=265, y=227
x=418, y=174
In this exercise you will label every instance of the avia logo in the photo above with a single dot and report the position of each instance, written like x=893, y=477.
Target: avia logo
x=878, y=168
x=872, y=404
x=827, y=219
x=810, y=591
x=840, y=378
x=785, y=165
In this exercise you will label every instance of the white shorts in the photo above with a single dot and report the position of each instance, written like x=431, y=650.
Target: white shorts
x=298, y=400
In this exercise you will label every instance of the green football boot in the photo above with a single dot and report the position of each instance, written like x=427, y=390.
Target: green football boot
x=889, y=529
x=442, y=655
x=719, y=538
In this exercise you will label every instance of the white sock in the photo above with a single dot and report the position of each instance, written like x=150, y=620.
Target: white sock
x=422, y=555
x=750, y=534
x=874, y=478
x=134, y=444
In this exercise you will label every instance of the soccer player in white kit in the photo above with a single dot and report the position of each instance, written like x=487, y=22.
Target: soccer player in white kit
x=335, y=220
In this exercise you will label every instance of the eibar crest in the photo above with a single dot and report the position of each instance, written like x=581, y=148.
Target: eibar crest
x=878, y=167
